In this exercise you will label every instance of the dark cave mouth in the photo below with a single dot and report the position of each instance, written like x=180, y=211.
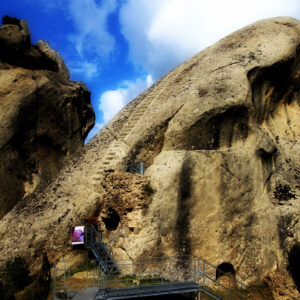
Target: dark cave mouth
x=223, y=269
x=294, y=264
x=112, y=220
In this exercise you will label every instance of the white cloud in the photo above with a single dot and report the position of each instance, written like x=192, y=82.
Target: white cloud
x=90, y=22
x=163, y=33
x=91, y=39
x=113, y=101
x=88, y=69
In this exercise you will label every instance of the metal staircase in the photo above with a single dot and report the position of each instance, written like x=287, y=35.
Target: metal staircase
x=104, y=258
x=149, y=276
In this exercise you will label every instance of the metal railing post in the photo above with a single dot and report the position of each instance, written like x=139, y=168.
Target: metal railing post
x=132, y=271
x=141, y=168
x=65, y=276
x=229, y=293
x=204, y=274
x=54, y=285
x=198, y=271
x=189, y=278
x=87, y=274
x=162, y=270
x=69, y=275
x=194, y=268
x=198, y=281
x=138, y=273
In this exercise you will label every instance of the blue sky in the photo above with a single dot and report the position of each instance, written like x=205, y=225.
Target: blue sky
x=120, y=47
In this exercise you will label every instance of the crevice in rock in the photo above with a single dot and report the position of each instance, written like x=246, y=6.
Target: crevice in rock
x=294, y=263
x=182, y=226
x=217, y=129
x=273, y=84
x=284, y=229
x=267, y=165
x=124, y=249
x=146, y=150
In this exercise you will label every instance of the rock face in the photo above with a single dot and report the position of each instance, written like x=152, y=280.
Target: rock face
x=219, y=136
x=44, y=117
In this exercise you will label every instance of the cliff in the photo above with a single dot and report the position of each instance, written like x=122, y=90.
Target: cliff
x=44, y=117
x=219, y=137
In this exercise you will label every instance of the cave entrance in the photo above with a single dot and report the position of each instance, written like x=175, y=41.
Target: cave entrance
x=294, y=264
x=112, y=220
x=225, y=269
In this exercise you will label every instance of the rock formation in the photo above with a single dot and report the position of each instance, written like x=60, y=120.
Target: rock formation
x=219, y=137
x=44, y=117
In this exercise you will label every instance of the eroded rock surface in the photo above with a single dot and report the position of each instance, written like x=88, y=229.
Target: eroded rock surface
x=44, y=117
x=220, y=139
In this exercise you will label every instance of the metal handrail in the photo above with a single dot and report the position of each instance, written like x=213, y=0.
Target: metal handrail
x=165, y=272
x=94, y=242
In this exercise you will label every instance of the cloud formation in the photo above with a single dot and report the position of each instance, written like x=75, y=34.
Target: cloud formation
x=90, y=21
x=164, y=33
x=89, y=69
x=113, y=101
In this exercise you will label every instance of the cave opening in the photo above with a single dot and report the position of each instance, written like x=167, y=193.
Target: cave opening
x=112, y=220
x=225, y=268
x=294, y=264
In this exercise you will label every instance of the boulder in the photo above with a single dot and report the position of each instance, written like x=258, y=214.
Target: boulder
x=44, y=117
x=52, y=54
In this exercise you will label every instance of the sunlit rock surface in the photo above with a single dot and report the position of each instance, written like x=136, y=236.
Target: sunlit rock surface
x=219, y=138
x=44, y=117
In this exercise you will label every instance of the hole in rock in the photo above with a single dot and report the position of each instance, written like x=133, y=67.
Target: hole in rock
x=112, y=220
x=294, y=264
x=267, y=164
x=224, y=268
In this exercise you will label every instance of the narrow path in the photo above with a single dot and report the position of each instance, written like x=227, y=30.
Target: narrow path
x=118, y=149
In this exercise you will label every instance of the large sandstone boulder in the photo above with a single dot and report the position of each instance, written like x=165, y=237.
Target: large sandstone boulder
x=219, y=138
x=44, y=117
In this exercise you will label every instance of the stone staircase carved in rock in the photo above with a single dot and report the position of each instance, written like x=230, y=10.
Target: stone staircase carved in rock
x=118, y=148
